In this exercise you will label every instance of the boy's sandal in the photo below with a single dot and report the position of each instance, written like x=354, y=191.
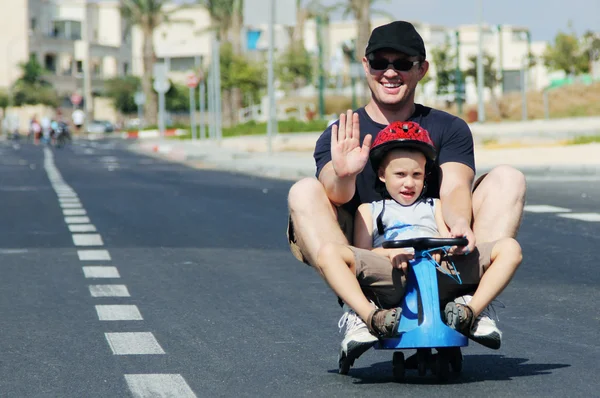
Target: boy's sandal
x=388, y=327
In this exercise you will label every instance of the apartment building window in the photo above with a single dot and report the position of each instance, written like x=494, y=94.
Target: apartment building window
x=50, y=62
x=70, y=30
x=125, y=68
x=79, y=66
x=33, y=24
x=182, y=64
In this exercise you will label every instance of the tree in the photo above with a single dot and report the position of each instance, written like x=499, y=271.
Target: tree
x=148, y=15
x=490, y=77
x=226, y=21
x=567, y=54
x=591, y=47
x=31, y=88
x=241, y=73
x=294, y=67
x=444, y=61
x=362, y=10
x=121, y=91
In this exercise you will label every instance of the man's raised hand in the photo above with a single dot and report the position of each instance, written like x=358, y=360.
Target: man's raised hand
x=347, y=155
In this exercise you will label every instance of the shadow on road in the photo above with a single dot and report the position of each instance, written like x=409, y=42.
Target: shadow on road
x=476, y=368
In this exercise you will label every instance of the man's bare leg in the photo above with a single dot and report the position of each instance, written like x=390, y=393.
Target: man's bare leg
x=314, y=218
x=337, y=265
x=498, y=204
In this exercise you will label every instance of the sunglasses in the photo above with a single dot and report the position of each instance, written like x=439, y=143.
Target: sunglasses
x=401, y=65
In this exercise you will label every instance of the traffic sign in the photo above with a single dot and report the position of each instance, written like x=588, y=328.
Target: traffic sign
x=139, y=98
x=76, y=99
x=192, y=80
x=161, y=86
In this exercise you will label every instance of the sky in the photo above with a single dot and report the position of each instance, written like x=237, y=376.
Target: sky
x=544, y=18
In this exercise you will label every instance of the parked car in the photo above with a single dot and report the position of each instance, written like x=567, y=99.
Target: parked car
x=100, y=126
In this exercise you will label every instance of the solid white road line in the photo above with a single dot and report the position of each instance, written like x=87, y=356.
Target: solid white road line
x=545, y=209
x=93, y=255
x=87, y=240
x=77, y=220
x=82, y=228
x=109, y=291
x=74, y=212
x=592, y=217
x=158, y=385
x=118, y=313
x=101, y=272
x=133, y=343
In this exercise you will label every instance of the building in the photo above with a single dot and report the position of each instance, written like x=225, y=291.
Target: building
x=55, y=32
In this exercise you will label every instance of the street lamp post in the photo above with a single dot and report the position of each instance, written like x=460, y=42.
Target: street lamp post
x=480, y=82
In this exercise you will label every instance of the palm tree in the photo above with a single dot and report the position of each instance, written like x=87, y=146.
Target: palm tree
x=226, y=21
x=148, y=15
x=362, y=10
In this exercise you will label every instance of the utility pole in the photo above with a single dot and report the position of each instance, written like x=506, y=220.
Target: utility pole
x=271, y=122
x=320, y=67
x=500, y=58
x=87, y=80
x=458, y=85
x=480, y=81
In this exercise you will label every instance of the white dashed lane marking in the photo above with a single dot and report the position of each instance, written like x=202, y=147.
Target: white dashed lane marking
x=87, y=240
x=74, y=212
x=82, y=228
x=118, y=313
x=69, y=200
x=109, y=291
x=591, y=217
x=101, y=272
x=70, y=205
x=93, y=255
x=158, y=385
x=563, y=212
x=545, y=209
x=125, y=343
x=133, y=343
x=77, y=220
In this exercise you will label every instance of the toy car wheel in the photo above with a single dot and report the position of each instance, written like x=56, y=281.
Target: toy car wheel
x=398, y=365
x=442, y=367
x=423, y=358
x=344, y=365
x=456, y=360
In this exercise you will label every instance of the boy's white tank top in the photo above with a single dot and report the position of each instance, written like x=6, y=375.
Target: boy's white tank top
x=404, y=222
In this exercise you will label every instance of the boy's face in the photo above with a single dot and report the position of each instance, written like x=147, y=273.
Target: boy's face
x=403, y=173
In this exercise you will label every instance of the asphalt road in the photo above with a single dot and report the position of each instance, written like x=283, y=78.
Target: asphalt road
x=223, y=309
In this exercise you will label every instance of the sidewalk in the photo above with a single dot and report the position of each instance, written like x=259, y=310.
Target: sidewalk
x=287, y=161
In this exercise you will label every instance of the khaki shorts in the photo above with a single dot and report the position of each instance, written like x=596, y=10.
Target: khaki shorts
x=386, y=285
x=345, y=221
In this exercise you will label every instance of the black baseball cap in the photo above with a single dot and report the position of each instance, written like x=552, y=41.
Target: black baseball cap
x=400, y=36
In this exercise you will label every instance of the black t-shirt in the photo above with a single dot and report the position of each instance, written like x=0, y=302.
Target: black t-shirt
x=451, y=136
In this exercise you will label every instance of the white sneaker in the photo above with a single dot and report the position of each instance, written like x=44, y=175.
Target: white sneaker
x=484, y=330
x=357, y=339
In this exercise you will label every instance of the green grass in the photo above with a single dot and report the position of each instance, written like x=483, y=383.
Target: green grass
x=584, y=139
x=254, y=128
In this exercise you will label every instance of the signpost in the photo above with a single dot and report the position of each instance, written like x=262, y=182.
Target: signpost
x=140, y=99
x=161, y=86
x=192, y=81
x=201, y=95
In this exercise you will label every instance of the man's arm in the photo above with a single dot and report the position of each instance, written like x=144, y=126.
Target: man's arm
x=348, y=158
x=340, y=190
x=455, y=197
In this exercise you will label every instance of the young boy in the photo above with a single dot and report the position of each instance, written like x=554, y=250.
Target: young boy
x=371, y=280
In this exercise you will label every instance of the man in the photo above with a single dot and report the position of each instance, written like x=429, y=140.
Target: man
x=321, y=210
